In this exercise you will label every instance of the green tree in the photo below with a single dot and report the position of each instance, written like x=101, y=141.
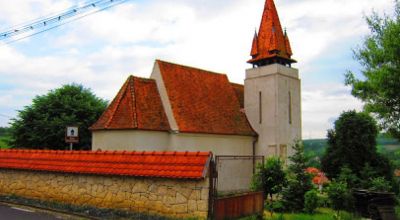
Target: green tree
x=42, y=124
x=379, y=56
x=299, y=182
x=352, y=143
x=347, y=176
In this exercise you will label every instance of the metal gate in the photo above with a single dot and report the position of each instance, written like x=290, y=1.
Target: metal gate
x=231, y=194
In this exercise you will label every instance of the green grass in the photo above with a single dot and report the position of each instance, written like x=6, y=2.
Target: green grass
x=321, y=214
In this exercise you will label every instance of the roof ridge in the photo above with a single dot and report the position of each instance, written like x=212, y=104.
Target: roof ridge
x=191, y=67
x=118, y=101
x=134, y=107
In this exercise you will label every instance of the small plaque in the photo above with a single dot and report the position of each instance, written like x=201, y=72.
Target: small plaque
x=72, y=134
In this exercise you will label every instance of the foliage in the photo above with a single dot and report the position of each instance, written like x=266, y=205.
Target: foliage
x=311, y=201
x=380, y=59
x=299, y=182
x=4, y=142
x=5, y=131
x=347, y=176
x=380, y=184
x=352, y=143
x=42, y=124
x=270, y=178
x=389, y=147
x=314, y=149
x=340, y=196
x=320, y=214
x=274, y=206
x=5, y=137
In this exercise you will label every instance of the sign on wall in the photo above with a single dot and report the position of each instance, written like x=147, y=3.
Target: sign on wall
x=72, y=134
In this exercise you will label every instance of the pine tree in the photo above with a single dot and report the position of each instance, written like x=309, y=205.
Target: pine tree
x=299, y=182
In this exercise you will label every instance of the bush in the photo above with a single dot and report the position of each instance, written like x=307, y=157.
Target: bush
x=311, y=201
x=274, y=206
x=380, y=184
x=340, y=196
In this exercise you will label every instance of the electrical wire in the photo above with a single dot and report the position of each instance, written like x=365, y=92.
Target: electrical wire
x=43, y=17
x=5, y=116
x=66, y=15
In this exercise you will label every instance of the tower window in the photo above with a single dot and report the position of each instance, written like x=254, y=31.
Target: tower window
x=260, y=106
x=290, y=108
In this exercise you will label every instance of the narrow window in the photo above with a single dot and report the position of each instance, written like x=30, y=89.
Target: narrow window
x=260, y=107
x=283, y=153
x=290, y=108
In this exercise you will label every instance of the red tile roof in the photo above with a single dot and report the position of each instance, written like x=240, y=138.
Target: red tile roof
x=137, y=106
x=203, y=101
x=239, y=90
x=397, y=173
x=180, y=165
x=271, y=41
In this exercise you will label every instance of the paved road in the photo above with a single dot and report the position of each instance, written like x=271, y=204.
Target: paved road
x=9, y=212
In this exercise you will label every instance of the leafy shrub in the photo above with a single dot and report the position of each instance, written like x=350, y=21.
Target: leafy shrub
x=340, y=196
x=380, y=184
x=323, y=200
x=275, y=206
x=311, y=201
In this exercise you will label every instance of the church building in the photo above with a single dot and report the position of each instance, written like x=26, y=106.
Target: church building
x=182, y=108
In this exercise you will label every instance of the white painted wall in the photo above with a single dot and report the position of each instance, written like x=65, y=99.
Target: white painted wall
x=234, y=175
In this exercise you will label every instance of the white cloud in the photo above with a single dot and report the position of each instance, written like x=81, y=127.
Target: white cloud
x=322, y=104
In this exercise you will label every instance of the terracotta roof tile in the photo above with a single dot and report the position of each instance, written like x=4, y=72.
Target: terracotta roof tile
x=397, y=173
x=180, y=165
x=239, y=91
x=254, y=46
x=203, y=101
x=137, y=106
x=271, y=41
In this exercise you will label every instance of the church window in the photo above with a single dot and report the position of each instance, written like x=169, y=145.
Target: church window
x=260, y=106
x=283, y=152
x=290, y=108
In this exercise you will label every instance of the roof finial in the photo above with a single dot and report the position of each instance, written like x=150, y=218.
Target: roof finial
x=285, y=31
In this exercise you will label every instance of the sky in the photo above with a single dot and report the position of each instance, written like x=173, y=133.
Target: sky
x=102, y=50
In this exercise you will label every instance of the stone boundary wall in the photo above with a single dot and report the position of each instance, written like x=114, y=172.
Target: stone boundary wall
x=175, y=198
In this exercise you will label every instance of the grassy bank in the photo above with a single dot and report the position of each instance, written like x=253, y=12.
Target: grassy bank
x=320, y=214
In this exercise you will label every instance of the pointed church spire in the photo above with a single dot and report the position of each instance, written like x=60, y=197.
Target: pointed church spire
x=254, y=47
x=273, y=45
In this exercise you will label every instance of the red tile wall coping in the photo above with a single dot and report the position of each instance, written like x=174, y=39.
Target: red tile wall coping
x=175, y=165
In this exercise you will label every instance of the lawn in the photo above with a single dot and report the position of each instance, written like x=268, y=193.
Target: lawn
x=320, y=214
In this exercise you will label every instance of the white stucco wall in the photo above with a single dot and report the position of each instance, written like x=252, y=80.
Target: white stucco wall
x=140, y=140
x=233, y=175
x=274, y=82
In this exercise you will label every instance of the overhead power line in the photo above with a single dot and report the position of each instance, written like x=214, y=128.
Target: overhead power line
x=38, y=26
x=5, y=116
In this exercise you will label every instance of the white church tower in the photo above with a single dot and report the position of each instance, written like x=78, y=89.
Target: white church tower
x=273, y=89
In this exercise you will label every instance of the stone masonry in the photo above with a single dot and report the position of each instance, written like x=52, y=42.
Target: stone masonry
x=156, y=196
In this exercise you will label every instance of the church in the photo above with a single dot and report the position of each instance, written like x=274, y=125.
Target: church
x=182, y=108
